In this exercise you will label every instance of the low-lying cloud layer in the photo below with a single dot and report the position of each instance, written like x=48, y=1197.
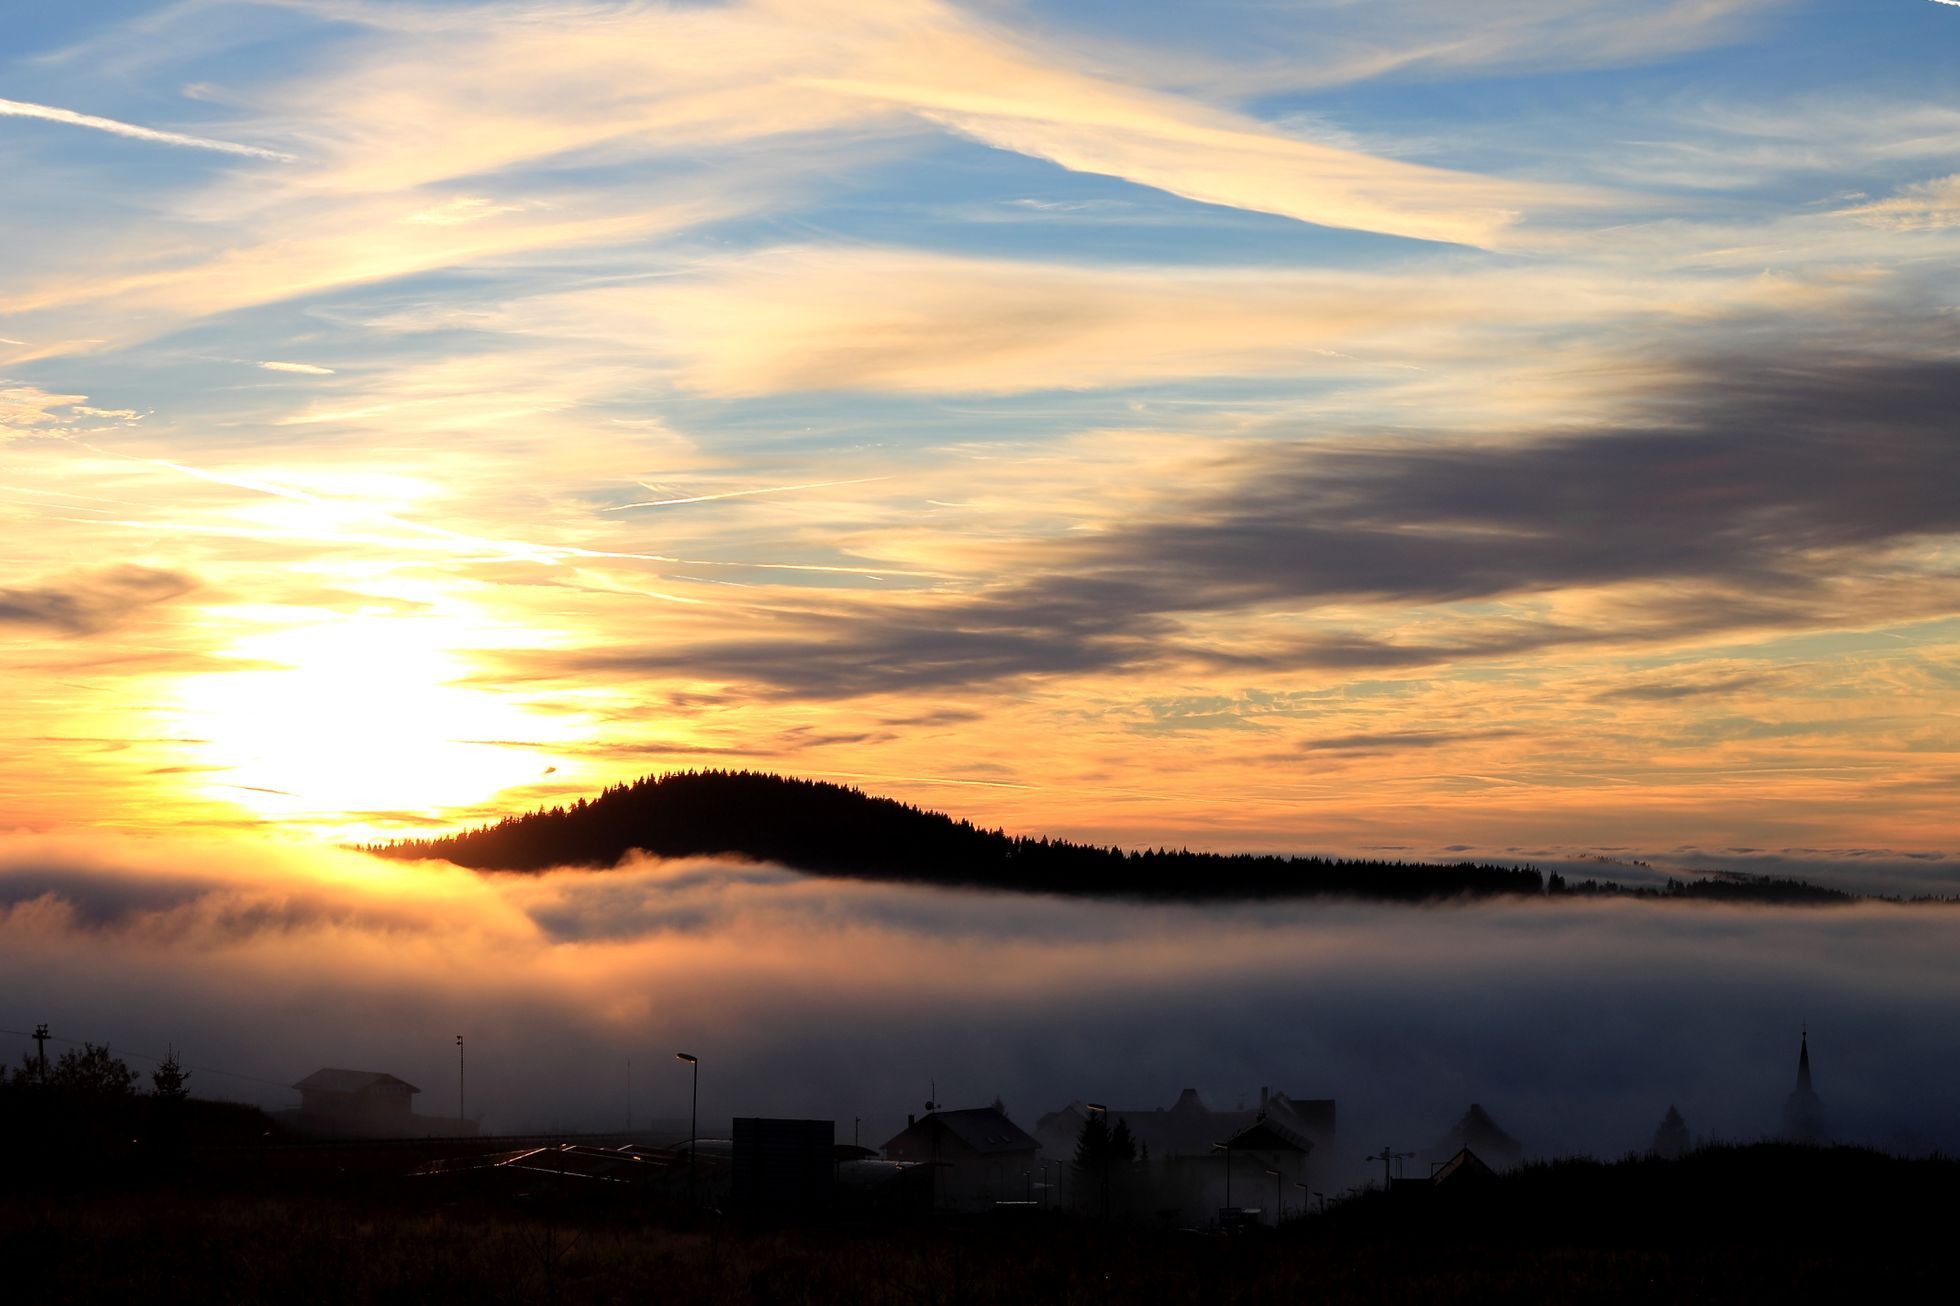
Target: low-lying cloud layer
x=1574, y=1023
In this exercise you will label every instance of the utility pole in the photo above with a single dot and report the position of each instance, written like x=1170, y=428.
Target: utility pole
x=41, y=1037
x=461, y=1115
x=629, y=1095
x=1387, y=1156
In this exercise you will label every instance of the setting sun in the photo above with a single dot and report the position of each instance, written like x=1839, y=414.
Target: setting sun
x=348, y=719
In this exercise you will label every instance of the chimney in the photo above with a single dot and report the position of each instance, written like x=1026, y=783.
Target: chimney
x=909, y=1120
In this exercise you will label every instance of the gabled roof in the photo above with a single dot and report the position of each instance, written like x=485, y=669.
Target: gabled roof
x=983, y=1129
x=1266, y=1134
x=1476, y=1129
x=1465, y=1165
x=349, y=1081
x=1188, y=1127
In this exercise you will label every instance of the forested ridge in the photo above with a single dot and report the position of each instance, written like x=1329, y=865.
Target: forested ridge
x=831, y=829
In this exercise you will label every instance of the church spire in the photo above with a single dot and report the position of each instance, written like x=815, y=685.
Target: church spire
x=1803, y=1113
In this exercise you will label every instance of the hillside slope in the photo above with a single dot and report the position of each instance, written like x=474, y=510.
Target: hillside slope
x=833, y=830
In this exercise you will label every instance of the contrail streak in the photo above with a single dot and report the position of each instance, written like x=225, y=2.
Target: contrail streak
x=737, y=494
x=47, y=113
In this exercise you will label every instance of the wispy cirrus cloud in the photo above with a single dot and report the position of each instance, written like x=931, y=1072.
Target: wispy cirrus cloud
x=1927, y=206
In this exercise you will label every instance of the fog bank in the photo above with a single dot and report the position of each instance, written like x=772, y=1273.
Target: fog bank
x=1576, y=1023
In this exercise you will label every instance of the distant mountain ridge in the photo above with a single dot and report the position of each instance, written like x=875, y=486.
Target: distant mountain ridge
x=830, y=829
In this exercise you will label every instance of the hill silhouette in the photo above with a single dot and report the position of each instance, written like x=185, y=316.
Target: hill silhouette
x=831, y=829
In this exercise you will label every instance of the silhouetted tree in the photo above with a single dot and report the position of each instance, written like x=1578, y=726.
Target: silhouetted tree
x=1122, y=1144
x=168, y=1079
x=91, y=1072
x=1092, y=1145
x=1671, y=1139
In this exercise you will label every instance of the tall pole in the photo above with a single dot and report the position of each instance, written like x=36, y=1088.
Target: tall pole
x=461, y=1114
x=41, y=1037
x=1098, y=1109
x=629, y=1095
x=693, y=1123
x=1279, y=1200
x=1226, y=1148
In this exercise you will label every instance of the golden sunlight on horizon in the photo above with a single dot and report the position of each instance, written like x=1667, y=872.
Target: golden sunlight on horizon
x=342, y=720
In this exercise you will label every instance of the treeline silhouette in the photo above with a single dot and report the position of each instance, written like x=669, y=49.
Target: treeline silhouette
x=1722, y=886
x=86, y=1114
x=832, y=829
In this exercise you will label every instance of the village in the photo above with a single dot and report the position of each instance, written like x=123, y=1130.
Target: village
x=1187, y=1164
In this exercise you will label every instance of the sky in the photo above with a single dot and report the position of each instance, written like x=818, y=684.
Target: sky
x=1522, y=428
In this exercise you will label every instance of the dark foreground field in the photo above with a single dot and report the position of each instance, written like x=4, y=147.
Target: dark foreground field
x=1765, y=1224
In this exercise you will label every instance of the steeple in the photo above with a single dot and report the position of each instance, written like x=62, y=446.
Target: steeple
x=1803, y=1113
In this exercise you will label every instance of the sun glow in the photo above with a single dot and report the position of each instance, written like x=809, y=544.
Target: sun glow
x=349, y=721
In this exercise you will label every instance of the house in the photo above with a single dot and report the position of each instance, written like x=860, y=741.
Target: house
x=1464, y=1172
x=978, y=1156
x=1270, y=1159
x=1189, y=1128
x=1477, y=1132
x=355, y=1094
x=368, y=1103
x=1185, y=1167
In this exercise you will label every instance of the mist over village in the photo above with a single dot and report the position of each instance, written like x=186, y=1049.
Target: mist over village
x=979, y=650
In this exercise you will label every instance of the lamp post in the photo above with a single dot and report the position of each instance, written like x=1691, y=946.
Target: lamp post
x=1226, y=1148
x=1098, y=1109
x=461, y=1114
x=1279, y=1200
x=693, y=1122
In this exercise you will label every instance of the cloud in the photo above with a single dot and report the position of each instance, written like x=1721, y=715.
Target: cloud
x=1576, y=1023
x=18, y=109
x=1393, y=740
x=1668, y=691
x=1927, y=206
x=808, y=319
x=302, y=369
x=701, y=113
x=85, y=603
x=1754, y=486
x=24, y=406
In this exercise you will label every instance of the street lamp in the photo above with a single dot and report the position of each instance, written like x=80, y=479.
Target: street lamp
x=1226, y=1148
x=461, y=1114
x=1279, y=1200
x=693, y=1122
x=1098, y=1109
